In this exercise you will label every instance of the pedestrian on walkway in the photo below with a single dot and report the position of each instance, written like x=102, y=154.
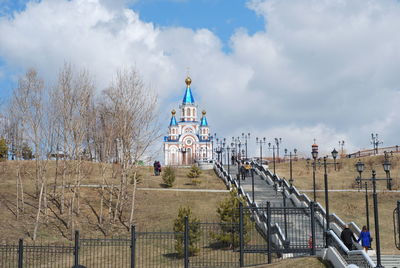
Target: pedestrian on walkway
x=348, y=237
x=365, y=238
x=155, y=168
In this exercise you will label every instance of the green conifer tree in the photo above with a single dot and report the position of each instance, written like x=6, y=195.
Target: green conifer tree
x=194, y=232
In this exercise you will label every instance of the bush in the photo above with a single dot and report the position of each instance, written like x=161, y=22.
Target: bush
x=26, y=152
x=194, y=172
x=228, y=212
x=3, y=149
x=169, y=176
x=194, y=232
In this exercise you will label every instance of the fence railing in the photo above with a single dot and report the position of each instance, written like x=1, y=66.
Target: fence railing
x=378, y=151
x=301, y=200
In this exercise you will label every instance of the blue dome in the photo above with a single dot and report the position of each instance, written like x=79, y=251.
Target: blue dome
x=188, y=98
x=173, y=121
x=204, y=122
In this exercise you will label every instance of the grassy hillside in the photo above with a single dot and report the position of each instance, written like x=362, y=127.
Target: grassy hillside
x=154, y=210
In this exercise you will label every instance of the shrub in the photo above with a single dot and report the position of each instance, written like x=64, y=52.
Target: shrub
x=26, y=152
x=3, y=149
x=194, y=232
x=169, y=176
x=228, y=212
x=194, y=172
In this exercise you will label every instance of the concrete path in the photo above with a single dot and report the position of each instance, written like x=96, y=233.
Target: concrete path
x=152, y=189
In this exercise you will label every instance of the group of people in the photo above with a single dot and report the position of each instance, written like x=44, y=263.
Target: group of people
x=157, y=168
x=348, y=237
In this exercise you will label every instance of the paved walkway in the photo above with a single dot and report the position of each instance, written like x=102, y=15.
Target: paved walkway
x=299, y=226
x=151, y=189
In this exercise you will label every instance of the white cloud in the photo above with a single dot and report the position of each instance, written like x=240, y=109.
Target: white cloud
x=322, y=69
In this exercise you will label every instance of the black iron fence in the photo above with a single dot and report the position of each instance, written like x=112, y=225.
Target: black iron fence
x=248, y=238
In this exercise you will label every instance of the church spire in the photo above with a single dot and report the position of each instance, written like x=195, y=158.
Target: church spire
x=188, y=97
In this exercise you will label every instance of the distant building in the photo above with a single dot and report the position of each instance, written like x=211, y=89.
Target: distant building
x=188, y=139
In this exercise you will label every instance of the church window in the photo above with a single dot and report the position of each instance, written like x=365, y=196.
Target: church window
x=188, y=112
x=193, y=112
x=183, y=112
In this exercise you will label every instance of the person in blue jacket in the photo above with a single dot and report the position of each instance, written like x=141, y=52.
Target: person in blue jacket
x=365, y=238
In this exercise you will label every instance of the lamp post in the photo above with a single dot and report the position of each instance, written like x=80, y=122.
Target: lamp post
x=228, y=150
x=252, y=185
x=290, y=162
x=360, y=168
x=375, y=142
x=314, y=153
x=261, y=141
x=376, y=215
x=386, y=167
x=246, y=137
x=278, y=141
x=273, y=154
x=341, y=145
x=334, y=155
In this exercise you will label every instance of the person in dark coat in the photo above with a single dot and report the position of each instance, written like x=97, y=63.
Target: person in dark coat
x=155, y=168
x=348, y=237
x=365, y=238
x=158, y=167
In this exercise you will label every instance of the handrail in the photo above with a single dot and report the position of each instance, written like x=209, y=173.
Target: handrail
x=303, y=198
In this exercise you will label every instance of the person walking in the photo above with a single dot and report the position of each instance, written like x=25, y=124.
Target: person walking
x=158, y=168
x=155, y=168
x=348, y=237
x=365, y=238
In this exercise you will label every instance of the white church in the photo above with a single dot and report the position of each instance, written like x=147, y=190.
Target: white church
x=188, y=139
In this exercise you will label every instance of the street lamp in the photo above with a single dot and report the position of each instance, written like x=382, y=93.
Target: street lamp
x=334, y=155
x=261, y=141
x=386, y=167
x=246, y=137
x=360, y=168
x=341, y=145
x=376, y=217
x=314, y=153
x=290, y=163
x=375, y=142
x=228, y=150
x=273, y=154
x=252, y=186
x=278, y=141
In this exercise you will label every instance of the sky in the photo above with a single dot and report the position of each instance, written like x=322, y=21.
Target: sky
x=295, y=69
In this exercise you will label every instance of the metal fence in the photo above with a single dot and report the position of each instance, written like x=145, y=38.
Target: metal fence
x=239, y=243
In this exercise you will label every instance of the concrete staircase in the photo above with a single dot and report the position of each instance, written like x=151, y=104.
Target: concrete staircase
x=389, y=261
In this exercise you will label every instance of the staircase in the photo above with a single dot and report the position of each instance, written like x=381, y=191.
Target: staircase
x=389, y=261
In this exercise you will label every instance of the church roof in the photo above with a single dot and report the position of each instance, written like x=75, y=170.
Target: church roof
x=188, y=97
x=204, y=122
x=173, y=119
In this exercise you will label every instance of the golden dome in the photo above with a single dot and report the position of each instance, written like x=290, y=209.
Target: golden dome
x=188, y=81
x=203, y=112
x=173, y=112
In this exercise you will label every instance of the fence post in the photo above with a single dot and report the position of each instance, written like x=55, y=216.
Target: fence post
x=269, y=232
x=76, y=249
x=20, y=252
x=241, y=240
x=312, y=217
x=133, y=245
x=186, y=242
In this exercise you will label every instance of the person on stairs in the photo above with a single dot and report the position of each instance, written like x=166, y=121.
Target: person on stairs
x=348, y=237
x=365, y=238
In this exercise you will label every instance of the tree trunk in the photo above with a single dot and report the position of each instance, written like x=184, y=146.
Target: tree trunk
x=38, y=213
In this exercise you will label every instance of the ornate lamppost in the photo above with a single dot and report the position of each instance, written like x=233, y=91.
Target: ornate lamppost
x=290, y=163
x=334, y=155
x=386, y=167
x=273, y=155
x=360, y=168
x=246, y=137
x=278, y=141
x=261, y=141
x=314, y=154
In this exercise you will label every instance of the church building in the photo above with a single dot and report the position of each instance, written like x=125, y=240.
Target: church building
x=188, y=139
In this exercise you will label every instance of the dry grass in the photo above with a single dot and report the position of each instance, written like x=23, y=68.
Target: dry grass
x=153, y=209
x=309, y=262
x=350, y=206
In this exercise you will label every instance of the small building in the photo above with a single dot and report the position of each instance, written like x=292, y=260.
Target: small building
x=188, y=139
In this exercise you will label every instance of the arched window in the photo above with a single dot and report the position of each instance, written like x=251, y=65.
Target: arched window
x=188, y=112
x=183, y=112
x=193, y=112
